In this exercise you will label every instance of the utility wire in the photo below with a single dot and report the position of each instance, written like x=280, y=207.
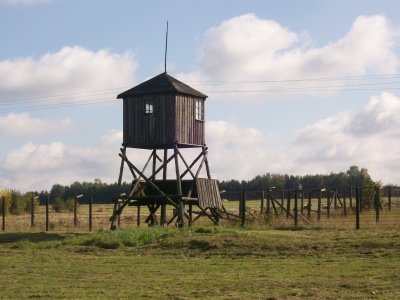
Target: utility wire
x=75, y=99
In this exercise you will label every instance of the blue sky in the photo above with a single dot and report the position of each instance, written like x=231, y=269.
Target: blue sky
x=298, y=87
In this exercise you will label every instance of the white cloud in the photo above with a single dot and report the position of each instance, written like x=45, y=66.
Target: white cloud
x=70, y=70
x=248, y=48
x=329, y=145
x=369, y=139
x=380, y=116
x=24, y=125
x=36, y=167
x=236, y=152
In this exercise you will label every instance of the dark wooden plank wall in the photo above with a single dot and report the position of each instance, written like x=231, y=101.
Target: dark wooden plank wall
x=208, y=192
x=144, y=129
x=188, y=129
x=173, y=119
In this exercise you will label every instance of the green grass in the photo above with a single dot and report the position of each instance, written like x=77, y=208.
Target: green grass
x=201, y=263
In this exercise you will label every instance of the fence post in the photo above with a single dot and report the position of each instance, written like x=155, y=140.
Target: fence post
x=377, y=204
x=190, y=223
x=319, y=204
x=243, y=207
x=268, y=205
x=389, y=198
x=344, y=202
x=357, y=207
x=47, y=213
x=296, y=196
x=309, y=205
x=3, y=213
x=90, y=211
x=32, y=212
x=138, y=216
x=119, y=215
x=335, y=197
x=288, y=205
x=351, y=196
x=302, y=201
x=163, y=216
x=328, y=206
x=76, y=209
x=262, y=201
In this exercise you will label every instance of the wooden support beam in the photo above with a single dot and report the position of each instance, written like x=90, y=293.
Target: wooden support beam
x=207, y=166
x=148, y=181
x=178, y=187
x=274, y=207
x=163, y=217
x=152, y=217
x=121, y=170
x=195, y=161
x=185, y=163
x=224, y=210
x=133, y=191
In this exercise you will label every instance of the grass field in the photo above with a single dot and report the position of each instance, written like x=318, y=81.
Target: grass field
x=201, y=263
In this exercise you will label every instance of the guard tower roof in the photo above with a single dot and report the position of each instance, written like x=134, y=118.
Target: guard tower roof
x=161, y=84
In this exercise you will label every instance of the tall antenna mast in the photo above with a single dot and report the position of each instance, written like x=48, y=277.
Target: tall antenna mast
x=166, y=48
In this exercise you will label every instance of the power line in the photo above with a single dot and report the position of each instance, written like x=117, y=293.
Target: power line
x=69, y=99
x=59, y=105
x=368, y=77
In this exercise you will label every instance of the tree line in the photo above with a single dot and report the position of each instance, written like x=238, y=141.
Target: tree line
x=17, y=202
x=354, y=176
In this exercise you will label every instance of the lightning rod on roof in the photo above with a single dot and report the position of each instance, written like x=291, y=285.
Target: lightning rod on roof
x=166, y=48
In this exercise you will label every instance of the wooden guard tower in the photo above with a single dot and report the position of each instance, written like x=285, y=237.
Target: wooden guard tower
x=164, y=114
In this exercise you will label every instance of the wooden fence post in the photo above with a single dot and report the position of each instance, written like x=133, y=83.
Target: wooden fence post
x=190, y=215
x=302, y=201
x=268, y=204
x=32, y=212
x=47, y=213
x=319, y=204
x=90, y=211
x=76, y=209
x=344, y=203
x=389, y=198
x=138, y=216
x=288, y=205
x=351, y=196
x=262, y=201
x=243, y=207
x=119, y=215
x=3, y=213
x=377, y=204
x=357, y=207
x=328, y=206
x=335, y=197
x=309, y=205
x=296, y=195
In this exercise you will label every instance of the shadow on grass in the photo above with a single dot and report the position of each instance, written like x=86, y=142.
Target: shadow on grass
x=34, y=237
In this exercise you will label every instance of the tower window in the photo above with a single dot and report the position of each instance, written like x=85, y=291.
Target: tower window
x=149, y=108
x=199, y=110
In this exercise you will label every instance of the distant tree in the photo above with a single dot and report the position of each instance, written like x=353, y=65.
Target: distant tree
x=57, y=191
x=7, y=199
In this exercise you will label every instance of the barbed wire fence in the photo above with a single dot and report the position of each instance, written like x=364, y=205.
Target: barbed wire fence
x=344, y=208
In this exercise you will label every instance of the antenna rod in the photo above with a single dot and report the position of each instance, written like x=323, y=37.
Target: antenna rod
x=166, y=47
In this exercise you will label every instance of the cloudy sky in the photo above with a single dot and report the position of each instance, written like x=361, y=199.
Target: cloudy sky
x=297, y=87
